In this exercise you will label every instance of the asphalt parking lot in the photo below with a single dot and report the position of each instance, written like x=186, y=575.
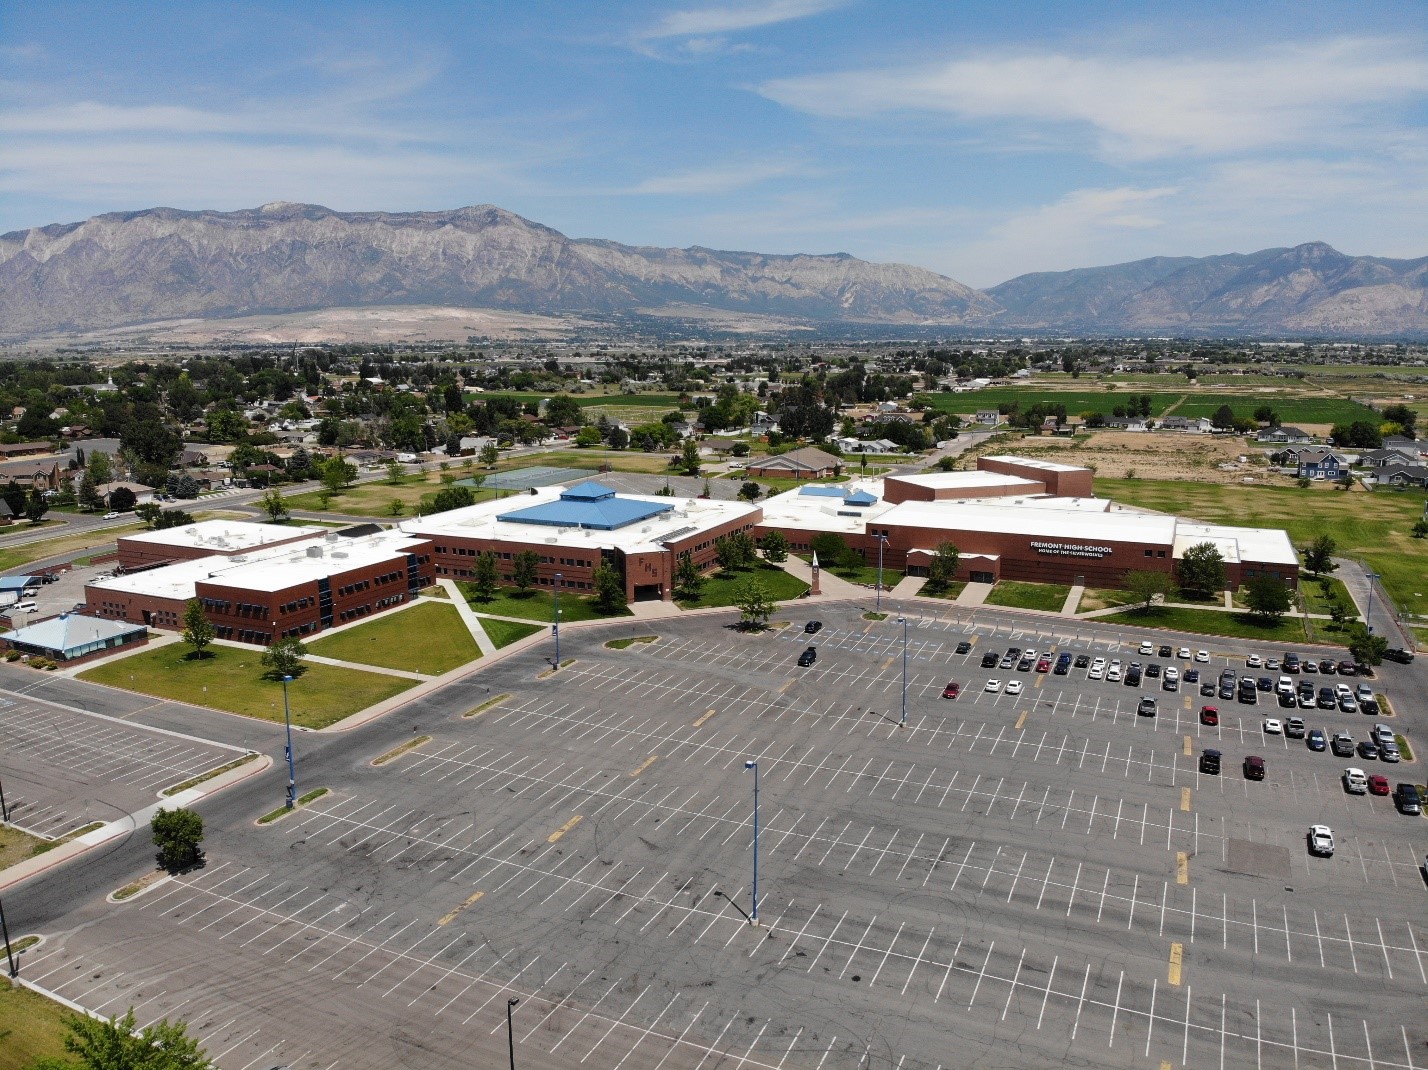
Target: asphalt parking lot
x=1031, y=880
x=64, y=768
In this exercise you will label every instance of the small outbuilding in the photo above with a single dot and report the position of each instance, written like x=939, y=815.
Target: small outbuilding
x=73, y=636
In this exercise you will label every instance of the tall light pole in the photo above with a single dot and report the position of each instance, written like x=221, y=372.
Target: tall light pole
x=903, y=722
x=292, y=769
x=5, y=930
x=1368, y=617
x=555, y=621
x=754, y=916
x=4, y=810
x=882, y=543
x=510, y=1036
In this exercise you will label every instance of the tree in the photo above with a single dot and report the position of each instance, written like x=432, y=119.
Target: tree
x=609, y=589
x=725, y=554
x=588, y=436
x=775, y=547
x=619, y=438
x=689, y=457
x=1223, y=418
x=275, y=505
x=89, y=496
x=198, y=630
x=1366, y=648
x=1147, y=586
x=122, y=499
x=523, y=570
x=943, y=567
x=1419, y=529
x=99, y=468
x=755, y=604
x=1404, y=417
x=118, y=1044
x=1361, y=434
x=687, y=580
x=1339, y=611
x=284, y=658
x=563, y=411
x=15, y=499
x=177, y=834
x=337, y=474
x=1266, y=415
x=829, y=546
x=149, y=513
x=36, y=506
x=394, y=472
x=396, y=507
x=173, y=518
x=1318, y=555
x=484, y=576
x=744, y=548
x=1267, y=598
x=489, y=455
x=1202, y=569
x=452, y=497
x=750, y=491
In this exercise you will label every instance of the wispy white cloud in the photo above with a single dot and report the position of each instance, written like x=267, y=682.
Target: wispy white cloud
x=1145, y=106
x=724, y=178
x=708, y=21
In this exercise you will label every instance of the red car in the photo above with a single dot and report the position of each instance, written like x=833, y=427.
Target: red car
x=1254, y=767
x=1044, y=665
x=1209, y=715
x=1378, y=785
x=952, y=690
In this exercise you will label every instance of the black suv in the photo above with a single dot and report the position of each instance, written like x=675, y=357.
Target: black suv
x=813, y=627
x=1398, y=654
x=989, y=659
x=1082, y=660
x=964, y=647
x=808, y=657
x=1153, y=670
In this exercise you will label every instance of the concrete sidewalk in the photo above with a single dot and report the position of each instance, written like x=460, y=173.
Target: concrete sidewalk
x=830, y=586
x=974, y=594
x=1073, y=600
x=468, y=617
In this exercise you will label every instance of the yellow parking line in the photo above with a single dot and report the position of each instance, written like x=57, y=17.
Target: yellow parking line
x=1021, y=720
x=1177, y=957
x=1040, y=680
x=1187, y=744
x=644, y=765
x=890, y=659
x=699, y=722
x=1185, y=799
x=1182, y=868
x=787, y=684
x=447, y=918
x=558, y=833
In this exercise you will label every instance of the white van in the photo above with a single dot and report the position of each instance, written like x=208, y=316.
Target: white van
x=24, y=607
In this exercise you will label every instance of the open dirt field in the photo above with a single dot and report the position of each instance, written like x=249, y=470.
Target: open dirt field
x=1119, y=454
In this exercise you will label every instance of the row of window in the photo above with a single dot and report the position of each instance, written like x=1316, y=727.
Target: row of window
x=244, y=635
x=301, y=629
x=1155, y=553
x=353, y=588
x=297, y=604
x=543, y=581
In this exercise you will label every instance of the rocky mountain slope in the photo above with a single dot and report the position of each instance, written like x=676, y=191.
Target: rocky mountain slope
x=133, y=267
x=1310, y=289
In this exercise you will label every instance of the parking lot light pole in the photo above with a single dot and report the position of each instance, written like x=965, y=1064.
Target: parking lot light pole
x=510, y=1036
x=4, y=810
x=555, y=621
x=882, y=544
x=292, y=768
x=903, y=722
x=1368, y=617
x=754, y=916
x=5, y=930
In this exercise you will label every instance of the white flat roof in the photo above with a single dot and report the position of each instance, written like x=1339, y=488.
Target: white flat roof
x=480, y=521
x=1270, y=546
x=223, y=535
x=965, y=480
x=816, y=512
x=1034, y=462
x=1055, y=518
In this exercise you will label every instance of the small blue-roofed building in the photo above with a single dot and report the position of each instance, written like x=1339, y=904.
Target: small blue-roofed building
x=74, y=637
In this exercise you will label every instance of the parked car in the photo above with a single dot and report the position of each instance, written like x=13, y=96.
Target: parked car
x=1342, y=745
x=1381, y=732
x=1097, y=669
x=1290, y=662
x=1146, y=708
x=1063, y=666
x=1378, y=784
x=1025, y=665
x=1289, y=702
x=1348, y=668
x=1368, y=750
x=989, y=659
x=952, y=690
x=1210, y=761
x=1294, y=727
x=1347, y=704
x=1327, y=699
x=1355, y=781
x=1363, y=692
x=1209, y=715
x=1370, y=707
x=1309, y=667
x=1192, y=676
x=1407, y=799
x=993, y=686
x=1399, y=655
x=1264, y=683
x=1013, y=687
x=1147, y=647
x=1113, y=672
x=1082, y=660
x=1272, y=726
x=1133, y=675
x=1183, y=653
x=1254, y=767
x=964, y=647
x=1044, y=665
x=1202, y=656
x=808, y=657
x=1207, y=690
x=1153, y=670
x=1165, y=650
x=1321, y=841
x=1316, y=741
x=1272, y=664
x=1254, y=661
x=813, y=627
x=1388, y=752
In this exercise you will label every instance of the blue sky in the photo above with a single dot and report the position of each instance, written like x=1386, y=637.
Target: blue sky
x=981, y=140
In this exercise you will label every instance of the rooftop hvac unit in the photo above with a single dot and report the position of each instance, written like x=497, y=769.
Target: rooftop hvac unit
x=551, y=539
x=340, y=553
x=331, y=536
x=238, y=559
x=314, y=551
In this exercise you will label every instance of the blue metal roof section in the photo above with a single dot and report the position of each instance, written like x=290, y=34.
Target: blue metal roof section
x=862, y=497
x=589, y=505
x=19, y=583
x=823, y=491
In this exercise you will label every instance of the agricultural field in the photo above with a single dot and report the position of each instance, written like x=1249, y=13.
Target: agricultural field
x=1119, y=454
x=1077, y=401
x=1292, y=408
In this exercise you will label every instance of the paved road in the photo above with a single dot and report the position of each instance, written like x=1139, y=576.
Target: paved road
x=1015, y=881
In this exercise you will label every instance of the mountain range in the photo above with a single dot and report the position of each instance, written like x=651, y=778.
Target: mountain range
x=162, y=264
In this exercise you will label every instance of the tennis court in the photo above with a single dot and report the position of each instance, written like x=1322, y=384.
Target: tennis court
x=526, y=478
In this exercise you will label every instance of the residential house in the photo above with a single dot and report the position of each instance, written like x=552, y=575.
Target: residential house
x=1402, y=475
x=1317, y=462
x=23, y=449
x=988, y=417
x=807, y=463
x=1385, y=458
x=1125, y=423
x=1288, y=435
x=42, y=475
x=1201, y=425
x=1411, y=446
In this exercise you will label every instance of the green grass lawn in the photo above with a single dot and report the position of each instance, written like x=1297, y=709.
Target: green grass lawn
x=1208, y=622
x=232, y=679
x=1292, y=408
x=61, y=544
x=1315, y=599
x=866, y=573
x=1103, y=598
x=505, y=632
x=32, y=1027
x=1374, y=527
x=16, y=846
x=719, y=589
x=429, y=637
x=536, y=605
x=1018, y=595
x=374, y=499
x=954, y=588
x=635, y=460
x=1076, y=401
